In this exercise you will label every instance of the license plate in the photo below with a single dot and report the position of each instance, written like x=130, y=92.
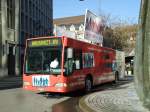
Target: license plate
x=40, y=80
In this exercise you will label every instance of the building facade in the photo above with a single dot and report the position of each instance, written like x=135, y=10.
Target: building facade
x=9, y=27
x=77, y=24
x=68, y=22
x=74, y=24
x=36, y=19
x=19, y=20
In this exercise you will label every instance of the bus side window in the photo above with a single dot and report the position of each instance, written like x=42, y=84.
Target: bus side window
x=69, y=61
x=88, y=60
x=69, y=66
x=78, y=59
x=106, y=56
x=114, y=66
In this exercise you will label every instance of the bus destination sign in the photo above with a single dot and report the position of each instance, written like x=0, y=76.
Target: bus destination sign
x=45, y=42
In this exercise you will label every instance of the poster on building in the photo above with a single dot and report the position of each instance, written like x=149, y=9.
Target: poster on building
x=60, y=31
x=94, y=26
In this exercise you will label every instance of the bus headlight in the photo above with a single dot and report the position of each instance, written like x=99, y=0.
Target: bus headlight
x=26, y=83
x=61, y=85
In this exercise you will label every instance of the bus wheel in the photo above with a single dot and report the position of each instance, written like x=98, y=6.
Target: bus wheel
x=88, y=85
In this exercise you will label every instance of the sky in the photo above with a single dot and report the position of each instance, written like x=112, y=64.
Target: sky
x=126, y=10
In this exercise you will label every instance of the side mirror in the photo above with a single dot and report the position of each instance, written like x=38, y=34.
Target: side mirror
x=69, y=53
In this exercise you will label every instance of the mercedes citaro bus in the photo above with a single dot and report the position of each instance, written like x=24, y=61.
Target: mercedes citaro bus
x=61, y=64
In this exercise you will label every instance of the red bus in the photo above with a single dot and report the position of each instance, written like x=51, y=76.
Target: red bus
x=61, y=64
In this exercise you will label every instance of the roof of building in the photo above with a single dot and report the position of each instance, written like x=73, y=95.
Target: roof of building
x=69, y=20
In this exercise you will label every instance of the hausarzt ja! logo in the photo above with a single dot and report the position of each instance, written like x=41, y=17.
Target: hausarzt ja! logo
x=40, y=80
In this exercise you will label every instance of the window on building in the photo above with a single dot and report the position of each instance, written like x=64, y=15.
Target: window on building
x=81, y=27
x=22, y=38
x=26, y=23
x=22, y=21
x=26, y=6
x=0, y=5
x=0, y=12
x=30, y=8
x=31, y=25
x=11, y=14
x=72, y=28
x=22, y=5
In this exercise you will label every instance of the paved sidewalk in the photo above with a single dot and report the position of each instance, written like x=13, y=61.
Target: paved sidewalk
x=121, y=98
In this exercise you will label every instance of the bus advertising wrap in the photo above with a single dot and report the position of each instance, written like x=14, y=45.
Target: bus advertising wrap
x=94, y=26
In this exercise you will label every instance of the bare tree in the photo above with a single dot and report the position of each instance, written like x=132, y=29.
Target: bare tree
x=119, y=37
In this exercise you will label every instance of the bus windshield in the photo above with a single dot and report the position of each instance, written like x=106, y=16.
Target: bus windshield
x=43, y=60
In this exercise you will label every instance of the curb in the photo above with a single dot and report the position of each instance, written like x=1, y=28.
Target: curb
x=120, y=100
x=10, y=82
x=83, y=106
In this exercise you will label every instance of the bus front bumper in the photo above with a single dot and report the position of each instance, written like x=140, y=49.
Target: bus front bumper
x=59, y=87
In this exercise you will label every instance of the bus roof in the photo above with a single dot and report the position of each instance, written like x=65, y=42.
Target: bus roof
x=68, y=38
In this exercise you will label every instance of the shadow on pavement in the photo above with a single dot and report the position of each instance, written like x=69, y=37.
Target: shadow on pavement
x=74, y=94
x=80, y=93
x=114, y=86
x=70, y=105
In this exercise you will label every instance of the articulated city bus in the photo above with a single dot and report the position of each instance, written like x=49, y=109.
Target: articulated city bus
x=61, y=64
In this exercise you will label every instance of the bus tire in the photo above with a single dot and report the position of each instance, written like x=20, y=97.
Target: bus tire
x=88, y=85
